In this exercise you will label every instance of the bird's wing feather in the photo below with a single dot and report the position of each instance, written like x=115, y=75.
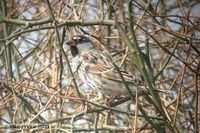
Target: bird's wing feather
x=97, y=65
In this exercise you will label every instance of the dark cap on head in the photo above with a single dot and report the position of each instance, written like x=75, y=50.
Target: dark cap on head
x=77, y=40
x=74, y=41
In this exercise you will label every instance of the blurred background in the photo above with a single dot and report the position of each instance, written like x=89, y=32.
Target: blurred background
x=156, y=40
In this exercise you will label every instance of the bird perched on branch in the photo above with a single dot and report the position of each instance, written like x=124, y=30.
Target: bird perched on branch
x=96, y=70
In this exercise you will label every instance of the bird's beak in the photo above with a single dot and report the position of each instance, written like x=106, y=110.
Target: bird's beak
x=71, y=43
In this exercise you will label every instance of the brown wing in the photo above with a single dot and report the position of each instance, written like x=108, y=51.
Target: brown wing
x=98, y=63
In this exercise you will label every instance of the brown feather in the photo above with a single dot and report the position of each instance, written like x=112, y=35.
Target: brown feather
x=96, y=65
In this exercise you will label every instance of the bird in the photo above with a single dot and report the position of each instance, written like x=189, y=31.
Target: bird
x=95, y=69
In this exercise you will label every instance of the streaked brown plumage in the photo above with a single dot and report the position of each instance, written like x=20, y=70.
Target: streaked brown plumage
x=96, y=70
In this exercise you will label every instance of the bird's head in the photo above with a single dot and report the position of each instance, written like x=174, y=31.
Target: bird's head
x=79, y=44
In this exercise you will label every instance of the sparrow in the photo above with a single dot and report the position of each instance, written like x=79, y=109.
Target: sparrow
x=95, y=69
